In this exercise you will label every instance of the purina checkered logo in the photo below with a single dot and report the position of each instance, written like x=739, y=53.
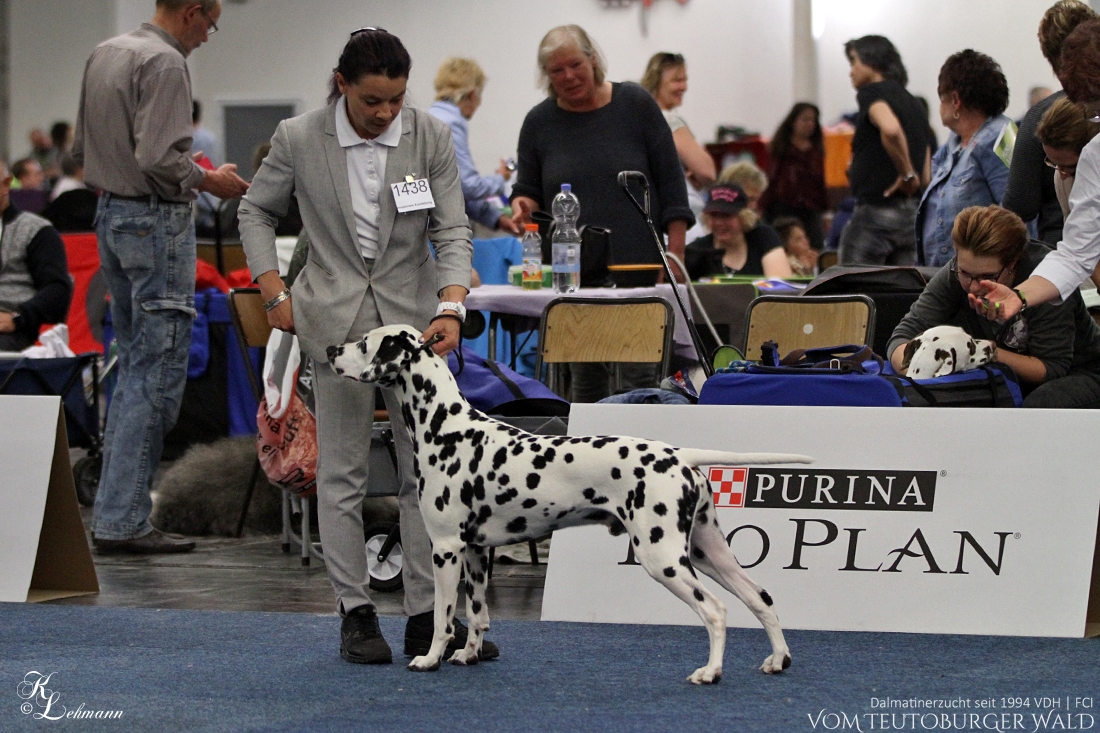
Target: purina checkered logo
x=728, y=485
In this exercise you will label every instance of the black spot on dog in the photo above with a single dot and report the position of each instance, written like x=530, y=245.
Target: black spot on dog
x=454, y=467
x=533, y=480
x=636, y=542
x=766, y=597
x=528, y=503
x=698, y=553
x=475, y=606
x=456, y=408
x=568, y=457
x=517, y=525
x=663, y=465
x=656, y=534
x=639, y=472
x=639, y=495
x=670, y=572
x=506, y=496
x=698, y=595
x=490, y=476
x=660, y=509
x=535, y=445
x=589, y=494
x=437, y=420
x=432, y=459
x=449, y=629
x=562, y=513
x=499, y=458
x=616, y=473
x=439, y=561
x=685, y=562
x=443, y=499
x=623, y=451
x=517, y=449
x=647, y=459
x=476, y=460
x=504, y=479
x=941, y=354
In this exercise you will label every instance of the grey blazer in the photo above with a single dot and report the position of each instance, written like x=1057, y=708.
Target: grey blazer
x=306, y=160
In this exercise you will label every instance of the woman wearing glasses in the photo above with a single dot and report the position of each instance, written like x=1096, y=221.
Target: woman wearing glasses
x=1055, y=350
x=1064, y=131
x=966, y=170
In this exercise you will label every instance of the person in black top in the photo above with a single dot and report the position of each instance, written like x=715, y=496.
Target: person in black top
x=1031, y=193
x=732, y=247
x=585, y=132
x=890, y=160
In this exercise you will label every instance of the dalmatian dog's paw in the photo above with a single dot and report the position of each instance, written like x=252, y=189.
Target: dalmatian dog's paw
x=423, y=664
x=944, y=350
x=775, y=664
x=465, y=656
x=706, y=676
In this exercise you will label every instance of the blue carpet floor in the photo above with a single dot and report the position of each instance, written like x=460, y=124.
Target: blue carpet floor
x=213, y=671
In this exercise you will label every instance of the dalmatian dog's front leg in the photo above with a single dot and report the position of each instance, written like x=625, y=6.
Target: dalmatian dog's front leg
x=445, y=557
x=477, y=610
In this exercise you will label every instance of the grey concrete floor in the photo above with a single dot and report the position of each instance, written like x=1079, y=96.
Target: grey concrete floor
x=254, y=574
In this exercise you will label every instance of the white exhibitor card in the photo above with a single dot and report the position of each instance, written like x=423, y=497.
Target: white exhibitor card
x=412, y=195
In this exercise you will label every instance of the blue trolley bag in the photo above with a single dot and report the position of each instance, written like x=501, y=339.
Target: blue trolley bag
x=838, y=376
x=990, y=385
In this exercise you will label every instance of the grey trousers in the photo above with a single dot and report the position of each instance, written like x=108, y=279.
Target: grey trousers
x=345, y=414
x=883, y=234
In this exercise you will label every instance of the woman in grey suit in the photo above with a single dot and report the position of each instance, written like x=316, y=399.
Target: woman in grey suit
x=369, y=265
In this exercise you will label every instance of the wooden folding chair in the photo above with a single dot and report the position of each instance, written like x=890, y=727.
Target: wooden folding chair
x=808, y=322
x=827, y=259
x=616, y=330
x=246, y=308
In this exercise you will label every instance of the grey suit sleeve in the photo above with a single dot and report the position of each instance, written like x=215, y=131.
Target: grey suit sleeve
x=265, y=203
x=448, y=226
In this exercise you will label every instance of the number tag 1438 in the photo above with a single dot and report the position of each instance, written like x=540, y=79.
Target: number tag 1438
x=412, y=194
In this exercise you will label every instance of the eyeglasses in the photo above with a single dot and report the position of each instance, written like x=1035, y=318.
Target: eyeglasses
x=213, y=27
x=368, y=29
x=966, y=279
x=1069, y=170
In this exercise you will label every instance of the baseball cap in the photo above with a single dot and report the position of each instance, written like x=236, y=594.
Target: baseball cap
x=726, y=198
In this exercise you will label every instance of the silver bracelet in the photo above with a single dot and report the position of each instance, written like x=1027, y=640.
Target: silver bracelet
x=274, y=302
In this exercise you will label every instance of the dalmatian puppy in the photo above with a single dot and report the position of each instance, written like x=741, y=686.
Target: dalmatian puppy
x=945, y=350
x=484, y=484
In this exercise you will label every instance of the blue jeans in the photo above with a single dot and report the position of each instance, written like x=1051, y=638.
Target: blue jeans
x=881, y=234
x=147, y=256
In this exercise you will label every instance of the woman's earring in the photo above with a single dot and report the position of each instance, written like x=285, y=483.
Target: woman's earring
x=956, y=116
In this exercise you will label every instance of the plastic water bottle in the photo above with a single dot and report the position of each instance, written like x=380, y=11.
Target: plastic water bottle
x=566, y=242
x=532, y=258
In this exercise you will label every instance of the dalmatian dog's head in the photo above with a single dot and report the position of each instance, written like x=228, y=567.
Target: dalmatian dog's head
x=379, y=356
x=944, y=350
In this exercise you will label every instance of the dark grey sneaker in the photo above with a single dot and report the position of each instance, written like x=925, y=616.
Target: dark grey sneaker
x=154, y=542
x=361, y=640
x=420, y=630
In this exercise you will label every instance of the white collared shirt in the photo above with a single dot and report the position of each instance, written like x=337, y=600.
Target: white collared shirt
x=366, y=174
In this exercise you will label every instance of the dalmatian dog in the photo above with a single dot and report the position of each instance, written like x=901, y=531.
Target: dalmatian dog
x=484, y=484
x=945, y=350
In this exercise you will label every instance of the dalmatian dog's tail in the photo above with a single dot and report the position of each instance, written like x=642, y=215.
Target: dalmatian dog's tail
x=695, y=457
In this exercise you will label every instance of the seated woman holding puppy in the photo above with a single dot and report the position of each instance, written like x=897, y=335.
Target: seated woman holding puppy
x=1055, y=350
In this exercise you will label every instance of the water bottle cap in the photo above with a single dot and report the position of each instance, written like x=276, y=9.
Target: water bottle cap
x=566, y=187
x=532, y=227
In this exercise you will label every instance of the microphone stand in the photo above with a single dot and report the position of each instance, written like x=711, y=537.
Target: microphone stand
x=624, y=179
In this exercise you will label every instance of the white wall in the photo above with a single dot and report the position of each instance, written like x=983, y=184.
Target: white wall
x=738, y=51
x=50, y=41
x=926, y=33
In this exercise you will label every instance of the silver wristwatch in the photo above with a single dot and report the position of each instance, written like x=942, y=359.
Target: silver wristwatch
x=448, y=305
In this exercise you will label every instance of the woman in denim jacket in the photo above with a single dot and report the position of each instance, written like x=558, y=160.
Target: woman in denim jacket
x=966, y=170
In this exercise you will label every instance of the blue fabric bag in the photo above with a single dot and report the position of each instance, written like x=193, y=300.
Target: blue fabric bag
x=495, y=389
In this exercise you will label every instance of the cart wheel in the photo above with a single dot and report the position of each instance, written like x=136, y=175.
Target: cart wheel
x=385, y=575
x=86, y=477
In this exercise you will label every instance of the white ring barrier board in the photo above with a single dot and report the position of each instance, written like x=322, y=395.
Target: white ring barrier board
x=973, y=521
x=42, y=540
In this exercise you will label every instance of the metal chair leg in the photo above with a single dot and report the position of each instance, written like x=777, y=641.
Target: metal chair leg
x=286, y=522
x=307, y=542
x=248, y=497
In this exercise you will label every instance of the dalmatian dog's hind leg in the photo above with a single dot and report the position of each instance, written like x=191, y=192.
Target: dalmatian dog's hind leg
x=477, y=610
x=668, y=564
x=445, y=556
x=711, y=555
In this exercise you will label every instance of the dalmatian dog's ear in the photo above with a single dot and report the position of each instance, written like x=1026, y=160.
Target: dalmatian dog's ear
x=907, y=353
x=983, y=352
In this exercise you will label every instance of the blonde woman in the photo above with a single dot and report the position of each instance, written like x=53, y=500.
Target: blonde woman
x=738, y=243
x=665, y=79
x=458, y=87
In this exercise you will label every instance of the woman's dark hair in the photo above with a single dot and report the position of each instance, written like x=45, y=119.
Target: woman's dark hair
x=370, y=51
x=1080, y=69
x=977, y=79
x=781, y=141
x=785, y=225
x=879, y=53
